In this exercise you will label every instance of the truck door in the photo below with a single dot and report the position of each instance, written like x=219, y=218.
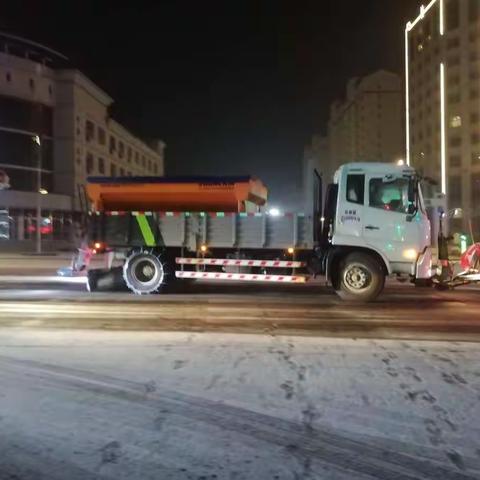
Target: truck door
x=390, y=213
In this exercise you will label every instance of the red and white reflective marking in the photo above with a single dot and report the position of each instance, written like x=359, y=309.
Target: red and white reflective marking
x=231, y=262
x=243, y=277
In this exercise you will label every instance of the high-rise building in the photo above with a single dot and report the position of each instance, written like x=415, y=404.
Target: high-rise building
x=442, y=82
x=368, y=124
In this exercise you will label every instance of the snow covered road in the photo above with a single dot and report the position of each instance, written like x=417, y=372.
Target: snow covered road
x=138, y=405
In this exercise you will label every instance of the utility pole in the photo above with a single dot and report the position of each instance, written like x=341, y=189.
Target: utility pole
x=38, y=240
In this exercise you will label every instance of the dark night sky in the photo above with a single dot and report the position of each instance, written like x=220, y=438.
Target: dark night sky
x=231, y=86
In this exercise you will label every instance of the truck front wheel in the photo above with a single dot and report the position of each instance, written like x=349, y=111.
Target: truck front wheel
x=143, y=272
x=360, y=278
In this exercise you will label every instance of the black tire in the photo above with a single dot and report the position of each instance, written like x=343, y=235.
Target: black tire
x=360, y=278
x=144, y=272
x=92, y=280
x=105, y=280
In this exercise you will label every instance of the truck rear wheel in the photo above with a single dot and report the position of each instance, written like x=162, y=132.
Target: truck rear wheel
x=143, y=272
x=360, y=278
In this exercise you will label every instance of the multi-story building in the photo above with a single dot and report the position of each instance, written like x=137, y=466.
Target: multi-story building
x=365, y=127
x=368, y=124
x=442, y=81
x=54, y=119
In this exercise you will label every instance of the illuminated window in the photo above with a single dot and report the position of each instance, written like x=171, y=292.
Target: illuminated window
x=456, y=121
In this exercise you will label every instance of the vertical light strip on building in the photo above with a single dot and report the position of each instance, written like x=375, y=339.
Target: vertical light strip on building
x=443, y=145
x=442, y=18
x=408, y=28
x=407, y=100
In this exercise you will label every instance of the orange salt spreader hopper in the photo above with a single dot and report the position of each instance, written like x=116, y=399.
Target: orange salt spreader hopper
x=177, y=194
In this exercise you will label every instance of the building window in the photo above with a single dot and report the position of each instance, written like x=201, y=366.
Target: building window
x=143, y=161
x=456, y=121
x=121, y=149
x=113, y=144
x=454, y=98
x=475, y=138
x=50, y=90
x=122, y=172
x=474, y=117
x=453, y=14
x=474, y=10
x=89, y=131
x=476, y=189
x=155, y=168
x=455, y=160
x=137, y=158
x=31, y=84
x=453, y=61
x=356, y=189
x=453, y=42
x=129, y=154
x=455, y=190
x=149, y=165
x=474, y=94
x=476, y=157
x=89, y=164
x=102, y=138
x=113, y=170
x=8, y=77
x=455, y=141
x=101, y=165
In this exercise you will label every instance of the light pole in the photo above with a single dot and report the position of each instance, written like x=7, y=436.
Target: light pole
x=37, y=139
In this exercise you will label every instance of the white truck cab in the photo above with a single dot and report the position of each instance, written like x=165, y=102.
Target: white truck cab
x=377, y=223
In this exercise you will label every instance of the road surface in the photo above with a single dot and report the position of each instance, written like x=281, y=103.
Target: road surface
x=245, y=382
x=401, y=312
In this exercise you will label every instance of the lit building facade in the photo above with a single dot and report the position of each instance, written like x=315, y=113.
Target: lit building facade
x=442, y=90
x=40, y=96
x=368, y=125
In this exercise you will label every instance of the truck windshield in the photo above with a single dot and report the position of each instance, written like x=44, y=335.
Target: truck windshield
x=398, y=195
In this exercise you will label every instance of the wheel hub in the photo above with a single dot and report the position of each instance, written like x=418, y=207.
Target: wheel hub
x=356, y=277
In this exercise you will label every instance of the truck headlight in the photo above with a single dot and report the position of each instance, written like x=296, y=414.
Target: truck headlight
x=410, y=254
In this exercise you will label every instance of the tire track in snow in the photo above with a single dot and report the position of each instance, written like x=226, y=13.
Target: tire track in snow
x=321, y=445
